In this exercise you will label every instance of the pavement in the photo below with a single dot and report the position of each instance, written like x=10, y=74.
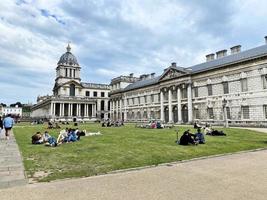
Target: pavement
x=11, y=166
x=239, y=176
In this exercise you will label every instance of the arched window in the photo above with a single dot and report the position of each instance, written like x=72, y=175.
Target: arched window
x=72, y=89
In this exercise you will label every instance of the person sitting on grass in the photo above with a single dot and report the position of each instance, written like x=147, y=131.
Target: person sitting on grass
x=200, y=137
x=37, y=138
x=49, y=140
x=62, y=137
x=187, y=138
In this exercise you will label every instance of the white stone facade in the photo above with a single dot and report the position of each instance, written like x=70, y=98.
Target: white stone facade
x=72, y=99
x=197, y=92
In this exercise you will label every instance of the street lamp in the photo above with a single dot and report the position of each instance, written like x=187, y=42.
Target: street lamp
x=224, y=102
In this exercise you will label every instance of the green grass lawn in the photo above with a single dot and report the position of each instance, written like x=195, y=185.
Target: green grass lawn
x=121, y=148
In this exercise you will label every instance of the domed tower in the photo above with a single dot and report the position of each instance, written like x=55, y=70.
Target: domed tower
x=68, y=70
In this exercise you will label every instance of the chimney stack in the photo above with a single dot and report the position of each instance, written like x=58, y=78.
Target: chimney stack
x=152, y=75
x=265, y=39
x=131, y=75
x=210, y=57
x=173, y=64
x=235, y=49
x=220, y=54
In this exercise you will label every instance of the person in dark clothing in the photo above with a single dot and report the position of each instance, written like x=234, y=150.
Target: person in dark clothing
x=199, y=137
x=187, y=138
x=1, y=124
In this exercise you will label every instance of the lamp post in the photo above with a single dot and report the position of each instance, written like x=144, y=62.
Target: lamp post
x=224, y=102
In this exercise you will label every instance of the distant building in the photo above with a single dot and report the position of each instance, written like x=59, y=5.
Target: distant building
x=72, y=99
x=14, y=111
x=236, y=82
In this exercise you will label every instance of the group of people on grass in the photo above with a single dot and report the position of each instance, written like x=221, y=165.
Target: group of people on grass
x=109, y=123
x=65, y=136
x=208, y=130
x=190, y=138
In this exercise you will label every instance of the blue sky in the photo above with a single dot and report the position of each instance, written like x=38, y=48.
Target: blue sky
x=115, y=37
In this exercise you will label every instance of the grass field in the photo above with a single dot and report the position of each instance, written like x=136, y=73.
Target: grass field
x=121, y=148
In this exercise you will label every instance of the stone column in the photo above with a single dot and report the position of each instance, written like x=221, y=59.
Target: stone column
x=189, y=102
x=71, y=107
x=63, y=109
x=120, y=109
x=170, y=106
x=86, y=110
x=179, y=106
x=69, y=113
x=161, y=106
x=54, y=109
x=93, y=110
x=51, y=110
x=117, y=109
x=125, y=109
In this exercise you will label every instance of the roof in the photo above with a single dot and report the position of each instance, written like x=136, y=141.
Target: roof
x=213, y=64
x=95, y=85
x=142, y=83
x=238, y=57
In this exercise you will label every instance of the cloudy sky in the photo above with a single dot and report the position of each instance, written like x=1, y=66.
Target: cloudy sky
x=114, y=37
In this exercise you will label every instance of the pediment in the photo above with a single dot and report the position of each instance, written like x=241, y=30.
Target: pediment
x=72, y=82
x=171, y=73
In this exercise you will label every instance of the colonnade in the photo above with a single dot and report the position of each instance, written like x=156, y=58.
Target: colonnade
x=117, y=109
x=59, y=109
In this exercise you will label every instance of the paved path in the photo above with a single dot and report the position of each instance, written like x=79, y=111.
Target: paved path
x=232, y=177
x=11, y=167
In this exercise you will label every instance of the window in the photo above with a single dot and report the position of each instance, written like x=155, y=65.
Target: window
x=197, y=114
x=264, y=81
x=95, y=94
x=102, y=94
x=209, y=90
x=138, y=100
x=228, y=114
x=70, y=72
x=244, y=85
x=66, y=72
x=72, y=90
x=225, y=88
x=145, y=99
x=152, y=98
x=245, y=112
x=196, y=91
x=87, y=93
x=184, y=93
x=74, y=73
x=265, y=111
x=210, y=113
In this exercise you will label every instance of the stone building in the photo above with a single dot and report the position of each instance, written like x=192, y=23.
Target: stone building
x=228, y=87
x=72, y=99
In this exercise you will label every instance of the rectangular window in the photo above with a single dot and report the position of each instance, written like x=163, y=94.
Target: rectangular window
x=196, y=91
x=184, y=93
x=264, y=81
x=265, y=111
x=245, y=112
x=152, y=98
x=244, y=85
x=95, y=94
x=102, y=94
x=209, y=90
x=145, y=99
x=210, y=113
x=138, y=100
x=197, y=114
x=87, y=93
x=74, y=73
x=228, y=113
x=225, y=88
x=70, y=72
x=66, y=72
